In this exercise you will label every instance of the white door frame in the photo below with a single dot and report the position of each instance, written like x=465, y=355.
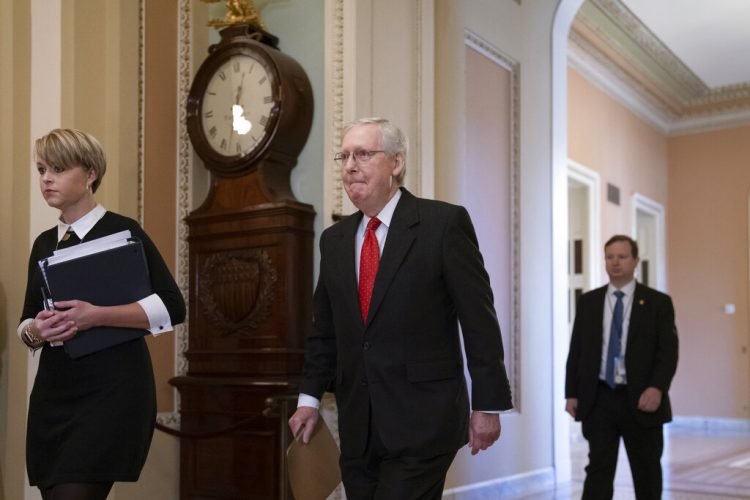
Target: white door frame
x=592, y=181
x=566, y=11
x=656, y=209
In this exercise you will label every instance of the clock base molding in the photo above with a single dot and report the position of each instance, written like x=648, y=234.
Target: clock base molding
x=233, y=438
x=250, y=302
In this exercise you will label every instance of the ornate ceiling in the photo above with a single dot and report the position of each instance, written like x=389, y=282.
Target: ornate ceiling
x=616, y=50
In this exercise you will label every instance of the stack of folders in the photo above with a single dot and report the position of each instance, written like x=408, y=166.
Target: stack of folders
x=107, y=271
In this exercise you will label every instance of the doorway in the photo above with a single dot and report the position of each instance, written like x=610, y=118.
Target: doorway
x=583, y=233
x=648, y=231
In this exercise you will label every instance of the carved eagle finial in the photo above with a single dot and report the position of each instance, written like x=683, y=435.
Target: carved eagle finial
x=238, y=12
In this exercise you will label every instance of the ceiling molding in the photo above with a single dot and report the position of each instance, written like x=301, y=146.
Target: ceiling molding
x=664, y=58
x=611, y=47
x=614, y=81
x=693, y=125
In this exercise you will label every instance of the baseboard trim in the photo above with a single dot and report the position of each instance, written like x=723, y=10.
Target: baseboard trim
x=517, y=485
x=710, y=424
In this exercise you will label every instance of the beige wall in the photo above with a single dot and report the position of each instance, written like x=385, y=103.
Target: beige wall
x=160, y=162
x=709, y=181
x=15, y=52
x=626, y=151
x=95, y=88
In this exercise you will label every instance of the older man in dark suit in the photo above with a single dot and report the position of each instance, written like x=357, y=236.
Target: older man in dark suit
x=623, y=355
x=396, y=278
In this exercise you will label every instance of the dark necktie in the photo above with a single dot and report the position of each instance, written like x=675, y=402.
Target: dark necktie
x=68, y=240
x=615, y=340
x=368, y=266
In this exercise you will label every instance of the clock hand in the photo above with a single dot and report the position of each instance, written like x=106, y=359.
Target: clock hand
x=239, y=89
x=233, y=128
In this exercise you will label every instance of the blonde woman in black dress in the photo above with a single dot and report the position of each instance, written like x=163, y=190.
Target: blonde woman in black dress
x=91, y=419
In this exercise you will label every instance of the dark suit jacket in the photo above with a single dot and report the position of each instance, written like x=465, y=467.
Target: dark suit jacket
x=650, y=354
x=406, y=361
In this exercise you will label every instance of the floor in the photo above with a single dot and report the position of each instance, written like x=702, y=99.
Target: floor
x=697, y=465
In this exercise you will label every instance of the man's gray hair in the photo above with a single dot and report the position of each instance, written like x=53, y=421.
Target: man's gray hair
x=393, y=140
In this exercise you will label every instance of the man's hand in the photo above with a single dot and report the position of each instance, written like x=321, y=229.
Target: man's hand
x=306, y=417
x=650, y=400
x=484, y=429
x=571, y=406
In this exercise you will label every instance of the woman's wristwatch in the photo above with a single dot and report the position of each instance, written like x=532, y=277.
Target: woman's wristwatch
x=29, y=339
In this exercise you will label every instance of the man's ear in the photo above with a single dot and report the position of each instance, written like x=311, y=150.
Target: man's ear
x=399, y=166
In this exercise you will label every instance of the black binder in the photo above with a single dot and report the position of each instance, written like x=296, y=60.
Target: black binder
x=111, y=277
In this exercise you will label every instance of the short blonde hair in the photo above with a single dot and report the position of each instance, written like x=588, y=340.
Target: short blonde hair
x=68, y=148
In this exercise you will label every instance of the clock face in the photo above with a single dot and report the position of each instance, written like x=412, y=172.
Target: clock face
x=237, y=106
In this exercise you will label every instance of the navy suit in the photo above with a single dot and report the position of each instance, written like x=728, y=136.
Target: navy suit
x=650, y=361
x=402, y=372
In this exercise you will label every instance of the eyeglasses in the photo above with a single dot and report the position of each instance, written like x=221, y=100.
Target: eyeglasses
x=360, y=156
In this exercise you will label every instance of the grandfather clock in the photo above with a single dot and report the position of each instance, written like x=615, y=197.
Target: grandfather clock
x=249, y=114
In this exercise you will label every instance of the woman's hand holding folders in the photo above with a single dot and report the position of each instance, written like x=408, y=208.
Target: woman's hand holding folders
x=54, y=326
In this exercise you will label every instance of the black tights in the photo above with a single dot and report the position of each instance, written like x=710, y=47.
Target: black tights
x=77, y=491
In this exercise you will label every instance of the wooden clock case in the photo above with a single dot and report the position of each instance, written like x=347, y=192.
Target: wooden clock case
x=250, y=294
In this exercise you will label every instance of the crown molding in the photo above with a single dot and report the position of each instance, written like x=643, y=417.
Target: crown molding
x=600, y=71
x=613, y=49
x=718, y=121
x=658, y=53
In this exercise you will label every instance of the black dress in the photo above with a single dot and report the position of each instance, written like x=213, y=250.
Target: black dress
x=92, y=419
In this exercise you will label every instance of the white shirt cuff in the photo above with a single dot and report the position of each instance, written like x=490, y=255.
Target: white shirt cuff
x=20, y=328
x=158, y=316
x=306, y=400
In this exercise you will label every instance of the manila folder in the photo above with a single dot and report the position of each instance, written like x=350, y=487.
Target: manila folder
x=314, y=467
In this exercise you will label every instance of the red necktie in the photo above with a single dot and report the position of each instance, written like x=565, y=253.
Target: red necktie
x=368, y=266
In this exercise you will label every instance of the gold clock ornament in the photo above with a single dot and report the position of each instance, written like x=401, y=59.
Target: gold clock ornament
x=238, y=12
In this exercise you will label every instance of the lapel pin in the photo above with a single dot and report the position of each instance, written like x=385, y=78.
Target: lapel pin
x=641, y=302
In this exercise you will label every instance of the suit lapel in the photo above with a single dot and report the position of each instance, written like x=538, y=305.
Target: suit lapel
x=636, y=312
x=342, y=242
x=401, y=235
x=597, y=317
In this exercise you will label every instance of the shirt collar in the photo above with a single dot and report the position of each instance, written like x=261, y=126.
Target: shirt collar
x=628, y=289
x=386, y=214
x=83, y=225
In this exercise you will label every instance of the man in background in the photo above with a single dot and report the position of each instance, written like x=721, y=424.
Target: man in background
x=395, y=280
x=623, y=355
